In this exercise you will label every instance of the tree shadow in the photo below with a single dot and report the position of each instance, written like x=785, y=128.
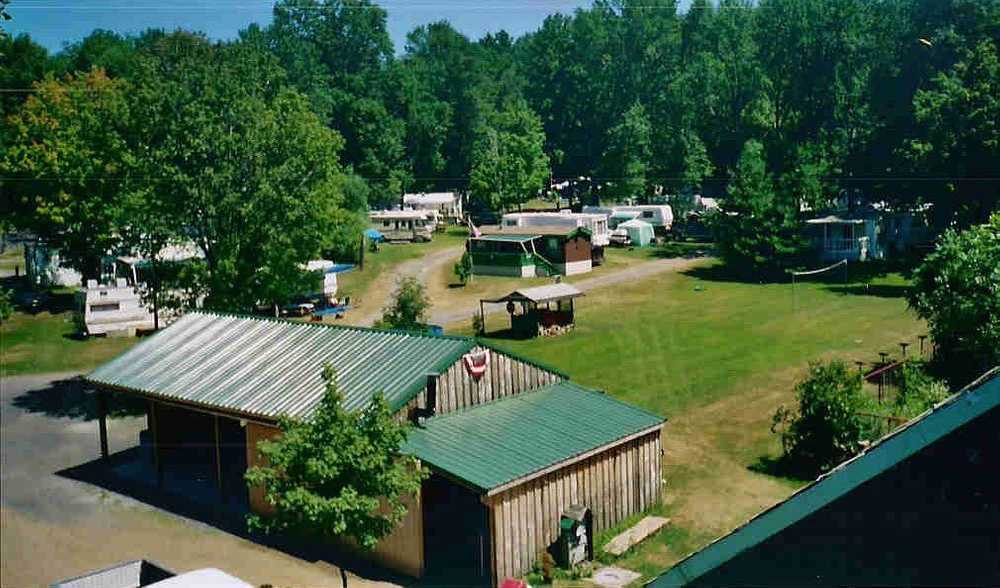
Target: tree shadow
x=782, y=467
x=876, y=290
x=509, y=334
x=73, y=399
x=681, y=250
x=724, y=273
x=31, y=300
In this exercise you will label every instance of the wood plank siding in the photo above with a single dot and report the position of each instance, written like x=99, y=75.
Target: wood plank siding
x=505, y=376
x=616, y=483
x=402, y=550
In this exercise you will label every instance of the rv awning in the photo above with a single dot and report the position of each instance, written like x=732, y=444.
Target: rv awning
x=541, y=294
x=835, y=220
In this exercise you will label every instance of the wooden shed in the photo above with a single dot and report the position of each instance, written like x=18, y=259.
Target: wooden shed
x=538, y=311
x=216, y=385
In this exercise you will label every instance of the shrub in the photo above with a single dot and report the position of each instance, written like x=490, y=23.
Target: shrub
x=463, y=268
x=918, y=391
x=408, y=310
x=827, y=428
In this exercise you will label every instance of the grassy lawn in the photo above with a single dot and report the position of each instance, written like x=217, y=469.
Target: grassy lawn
x=46, y=342
x=717, y=357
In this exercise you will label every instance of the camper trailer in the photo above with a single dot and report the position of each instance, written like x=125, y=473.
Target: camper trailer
x=597, y=224
x=660, y=216
x=112, y=309
x=404, y=225
x=445, y=206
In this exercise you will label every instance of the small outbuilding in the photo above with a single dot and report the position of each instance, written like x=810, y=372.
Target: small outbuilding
x=510, y=443
x=539, y=311
x=531, y=251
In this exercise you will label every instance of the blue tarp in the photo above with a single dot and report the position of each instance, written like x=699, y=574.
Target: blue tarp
x=374, y=235
x=339, y=268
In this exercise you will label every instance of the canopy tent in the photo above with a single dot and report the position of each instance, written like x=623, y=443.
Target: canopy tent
x=373, y=235
x=640, y=233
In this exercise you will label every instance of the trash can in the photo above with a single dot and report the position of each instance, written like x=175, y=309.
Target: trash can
x=574, y=545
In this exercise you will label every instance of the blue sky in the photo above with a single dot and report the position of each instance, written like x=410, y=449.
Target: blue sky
x=56, y=22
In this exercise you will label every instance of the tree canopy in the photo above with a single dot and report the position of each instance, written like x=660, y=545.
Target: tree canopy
x=338, y=474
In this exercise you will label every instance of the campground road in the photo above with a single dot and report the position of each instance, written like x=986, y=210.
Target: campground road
x=420, y=268
x=55, y=527
x=626, y=275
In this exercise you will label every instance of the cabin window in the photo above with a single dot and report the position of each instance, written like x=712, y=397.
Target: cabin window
x=510, y=222
x=647, y=214
x=105, y=307
x=386, y=224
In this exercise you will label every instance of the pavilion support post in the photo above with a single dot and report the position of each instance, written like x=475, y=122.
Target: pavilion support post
x=102, y=420
x=218, y=459
x=154, y=429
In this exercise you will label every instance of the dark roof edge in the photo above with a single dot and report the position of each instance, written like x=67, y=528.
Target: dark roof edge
x=522, y=358
x=901, y=444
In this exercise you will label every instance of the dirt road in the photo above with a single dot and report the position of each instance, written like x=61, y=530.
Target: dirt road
x=370, y=311
x=56, y=528
x=446, y=316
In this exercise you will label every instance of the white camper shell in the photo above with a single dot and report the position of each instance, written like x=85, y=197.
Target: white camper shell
x=660, y=216
x=597, y=224
x=404, y=225
x=112, y=309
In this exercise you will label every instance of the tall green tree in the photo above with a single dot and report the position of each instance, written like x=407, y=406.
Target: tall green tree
x=244, y=168
x=626, y=159
x=958, y=137
x=67, y=165
x=509, y=166
x=338, y=474
x=758, y=231
x=22, y=63
x=957, y=291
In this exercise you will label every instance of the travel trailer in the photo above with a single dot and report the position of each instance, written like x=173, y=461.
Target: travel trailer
x=404, y=225
x=660, y=216
x=112, y=309
x=597, y=224
x=446, y=206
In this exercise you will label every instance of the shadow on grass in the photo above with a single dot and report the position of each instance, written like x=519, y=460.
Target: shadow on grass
x=681, y=250
x=508, y=335
x=229, y=516
x=73, y=399
x=782, y=467
x=33, y=300
x=724, y=273
x=876, y=290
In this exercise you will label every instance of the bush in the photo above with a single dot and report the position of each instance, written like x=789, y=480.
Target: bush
x=918, y=391
x=827, y=428
x=957, y=291
x=6, y=304
x=463, y=268
x=409, y=307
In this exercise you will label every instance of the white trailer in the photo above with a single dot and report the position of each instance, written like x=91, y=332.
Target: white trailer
x=597, y=224
x=112, y=309
x=660, y=216
x=444, y=205
x=404, y=225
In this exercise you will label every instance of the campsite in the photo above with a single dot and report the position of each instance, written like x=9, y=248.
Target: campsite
x=574, y=294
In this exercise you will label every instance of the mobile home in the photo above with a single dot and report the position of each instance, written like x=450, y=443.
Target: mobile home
x=597, y=224
x=443, y=205
x=404, y=225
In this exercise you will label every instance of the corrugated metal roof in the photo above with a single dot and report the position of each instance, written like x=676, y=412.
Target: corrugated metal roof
x=493, y=444
x=268, y=367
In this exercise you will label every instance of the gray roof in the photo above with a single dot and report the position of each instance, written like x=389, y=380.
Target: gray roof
x=268, y=367
x=545, y=293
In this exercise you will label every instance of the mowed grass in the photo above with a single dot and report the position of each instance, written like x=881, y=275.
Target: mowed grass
x=47, y=342
x=717, y=357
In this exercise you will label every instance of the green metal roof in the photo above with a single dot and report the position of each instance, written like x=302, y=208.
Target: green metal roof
x=493, y=444
x=511, y=238
x=974, y=401
x=268, y=367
